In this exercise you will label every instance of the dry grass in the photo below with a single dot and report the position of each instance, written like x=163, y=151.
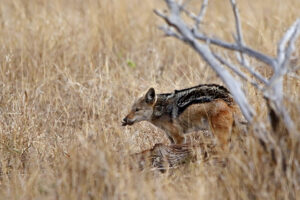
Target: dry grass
x=69, y=71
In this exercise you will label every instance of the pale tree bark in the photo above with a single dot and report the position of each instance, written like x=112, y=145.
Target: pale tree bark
x=272, y=88
x=162, y=156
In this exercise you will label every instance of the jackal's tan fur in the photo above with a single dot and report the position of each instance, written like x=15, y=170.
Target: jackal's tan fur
x=203, y=107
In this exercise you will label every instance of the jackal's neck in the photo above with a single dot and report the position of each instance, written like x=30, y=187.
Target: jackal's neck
x=163, y=105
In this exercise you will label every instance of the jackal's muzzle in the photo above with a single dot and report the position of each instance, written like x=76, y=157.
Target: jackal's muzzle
x=126, y=122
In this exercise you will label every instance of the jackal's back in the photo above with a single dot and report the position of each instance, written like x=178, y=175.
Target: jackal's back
x=175, y=103
x=202, y=94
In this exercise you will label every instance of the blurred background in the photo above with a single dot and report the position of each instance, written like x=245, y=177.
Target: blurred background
x=69, y=72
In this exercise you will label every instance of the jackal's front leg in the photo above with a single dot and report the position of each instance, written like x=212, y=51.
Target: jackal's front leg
x=172, y=129
x=175, y=134
x=178, y=139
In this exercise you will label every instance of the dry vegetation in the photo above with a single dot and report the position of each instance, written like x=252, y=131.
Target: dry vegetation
x=69, y=71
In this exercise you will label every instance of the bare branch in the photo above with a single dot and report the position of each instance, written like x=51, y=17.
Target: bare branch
x=236, y=71
x=168, y=31
x=291, y=44
x=234, y=86
x=273, y=88
x=173, y=7
x=237, y=22
x=239, y=33
x=190, y=14
x=254, y=73
x=288, y=38
x=160, y=14
x=285, y=49
x=201, y=14
x=234, y=47
x=197, y=18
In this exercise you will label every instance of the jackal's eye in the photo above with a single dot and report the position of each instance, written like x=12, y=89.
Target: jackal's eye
x=137, y=109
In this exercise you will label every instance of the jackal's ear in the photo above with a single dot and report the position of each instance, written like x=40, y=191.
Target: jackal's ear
x=150, y=96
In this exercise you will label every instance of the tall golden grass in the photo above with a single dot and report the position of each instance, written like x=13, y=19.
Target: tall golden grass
x=69, y=71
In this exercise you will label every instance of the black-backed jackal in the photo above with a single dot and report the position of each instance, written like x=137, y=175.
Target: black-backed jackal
x=203, y=107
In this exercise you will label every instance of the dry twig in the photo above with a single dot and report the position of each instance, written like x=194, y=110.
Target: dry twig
x=271, y=88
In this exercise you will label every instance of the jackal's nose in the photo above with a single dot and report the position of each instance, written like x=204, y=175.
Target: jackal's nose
x=124, y=121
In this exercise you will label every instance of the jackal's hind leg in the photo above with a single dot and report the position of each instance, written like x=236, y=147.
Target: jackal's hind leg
x=221, y=125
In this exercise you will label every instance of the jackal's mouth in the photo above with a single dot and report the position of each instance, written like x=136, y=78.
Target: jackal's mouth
x=126, y=122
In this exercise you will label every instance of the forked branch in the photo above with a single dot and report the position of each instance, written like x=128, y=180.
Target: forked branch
x=270, y=87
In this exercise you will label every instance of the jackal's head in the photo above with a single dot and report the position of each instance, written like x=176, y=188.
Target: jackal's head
x=142, y=109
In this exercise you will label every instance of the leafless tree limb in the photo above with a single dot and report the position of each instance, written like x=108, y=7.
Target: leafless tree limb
x=234, y=47
x=240, y=40
x=170, y=33
x=254, y=73
x=235, y=87
x=237, y=71
x=286, y=44
x=271, y=88
x=189, y=13
x=201, y=14
x=285, y=49
x=197, y=18
x=170, y=156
